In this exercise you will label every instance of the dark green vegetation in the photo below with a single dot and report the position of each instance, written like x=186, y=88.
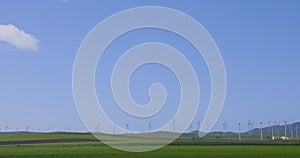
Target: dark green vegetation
x=188, y=145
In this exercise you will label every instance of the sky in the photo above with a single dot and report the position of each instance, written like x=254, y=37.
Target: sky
x=258, y=40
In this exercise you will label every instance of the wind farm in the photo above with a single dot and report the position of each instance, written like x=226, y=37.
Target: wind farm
x=75, y=142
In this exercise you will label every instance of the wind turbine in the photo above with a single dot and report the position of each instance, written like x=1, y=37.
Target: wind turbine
x=269, y=126
x=249, y=127
x=114, y=129
x=173, y=125
x=239, y=124
x=272, y=128
x=224, y=128
x=6, y=128
x=27, y=129
x=98, y=128
x=261, y=136
x=149, y=126
x=252, y=123
x=285, y=129
x=297, y=131
x=278, y=129
x=275, y=127
x=291, y=130
x=198, y=123
x=127, y=128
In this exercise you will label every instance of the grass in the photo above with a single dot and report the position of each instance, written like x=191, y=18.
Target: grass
x=43, y=136
x=93, y=150
x=185, y=146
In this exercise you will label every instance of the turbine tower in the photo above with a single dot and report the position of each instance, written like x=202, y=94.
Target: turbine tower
x=297, y=131
x=278, y=126
x=292, y=130
x=239, y=124
x=173, y=125
x=252, y=128
x=114, y=129
x=272, y=128
x=261, y=136
x=249, y=127
x=285, y=129
x=6, y=128
x=224, y=128
x=149, y=126
x=269, y=126
x=275, y=127
x=127, y=128
x=98, y=127
x=198, y=123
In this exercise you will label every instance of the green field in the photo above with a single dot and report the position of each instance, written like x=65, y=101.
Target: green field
x=43, y=136
x=186, y=146
x=90, y=150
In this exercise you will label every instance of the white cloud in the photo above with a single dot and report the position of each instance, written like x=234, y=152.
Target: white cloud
x=18, y=38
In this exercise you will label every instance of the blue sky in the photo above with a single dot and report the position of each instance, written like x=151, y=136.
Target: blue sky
x=259, y=42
